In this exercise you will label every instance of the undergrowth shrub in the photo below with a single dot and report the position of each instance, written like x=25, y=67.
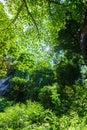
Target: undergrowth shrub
x=4, y=103
x=17, y=89
x=31, y=116
x=50, y=97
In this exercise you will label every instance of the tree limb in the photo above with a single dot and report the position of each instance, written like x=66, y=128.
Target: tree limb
x=30, y=15
x=14, y=19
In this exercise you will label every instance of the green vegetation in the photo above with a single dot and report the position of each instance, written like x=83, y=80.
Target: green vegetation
x=32, y=116
x=43, y=76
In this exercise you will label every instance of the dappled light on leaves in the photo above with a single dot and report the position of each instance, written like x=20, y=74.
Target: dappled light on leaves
x=43, y=75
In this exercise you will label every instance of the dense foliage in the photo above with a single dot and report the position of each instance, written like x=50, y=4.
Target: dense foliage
x=32, y=116
x=43, y=77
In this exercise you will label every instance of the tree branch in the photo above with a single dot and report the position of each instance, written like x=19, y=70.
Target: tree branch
x=30, y=15
x=14, y=19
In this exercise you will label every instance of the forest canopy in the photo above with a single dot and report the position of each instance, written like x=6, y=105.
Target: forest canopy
x=38, y=27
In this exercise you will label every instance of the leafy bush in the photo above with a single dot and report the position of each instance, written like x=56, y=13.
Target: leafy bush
x=17, y=89
x=67, y=73
x=4, y=103
x=42, y=76
x=73, y=122
x=79, y=103
x=33, y=92
x=49, y=97
x=31, y=116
